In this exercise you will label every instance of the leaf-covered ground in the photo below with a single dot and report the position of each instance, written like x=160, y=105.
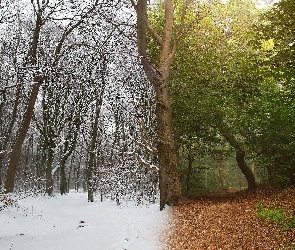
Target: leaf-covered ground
x=228, y=220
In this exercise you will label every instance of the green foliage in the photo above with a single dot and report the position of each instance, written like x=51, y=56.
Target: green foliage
x=215, y=75
x=213, y=71
x=273, y=114
x=278, y=24
x=277, y=216
x=275, y=110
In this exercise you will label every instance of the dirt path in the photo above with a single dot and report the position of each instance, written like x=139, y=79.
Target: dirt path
x=228, y=221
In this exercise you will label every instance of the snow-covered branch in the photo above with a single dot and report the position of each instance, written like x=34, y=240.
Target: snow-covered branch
x=145, y=139
x=148, y=166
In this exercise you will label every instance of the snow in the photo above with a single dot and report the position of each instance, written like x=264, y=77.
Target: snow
x=54, y=169
x=42, y=222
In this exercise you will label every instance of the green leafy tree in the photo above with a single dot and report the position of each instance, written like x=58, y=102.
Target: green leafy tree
x=277, y=30
x=275, y=110
x=213, y=81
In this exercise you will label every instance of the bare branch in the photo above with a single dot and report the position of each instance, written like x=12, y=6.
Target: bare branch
x=69, y=48
x=146, y=142
x=143, y=163
x=67, y=32
x=118, y=27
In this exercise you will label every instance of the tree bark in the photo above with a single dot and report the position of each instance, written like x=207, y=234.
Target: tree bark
x=8, y=132
x=48, y=172
x=169, y=179
x=63, y=179
x=92, y=159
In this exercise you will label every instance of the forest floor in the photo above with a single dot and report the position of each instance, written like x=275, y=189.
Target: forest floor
x=235, y=220
x=69, y=222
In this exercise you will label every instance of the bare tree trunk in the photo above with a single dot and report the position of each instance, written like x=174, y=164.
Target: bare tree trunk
x=8, y=132
x=63, y=179
x=92, y=159
x=16, y=150
x=69, y=147
x=170, y=185
x=48, y=172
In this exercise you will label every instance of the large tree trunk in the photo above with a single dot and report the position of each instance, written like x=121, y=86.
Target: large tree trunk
x=16, y=150
x=92, y=158
x=48, y=137
x=170, y=185
x=240, y=158
x=63, y=179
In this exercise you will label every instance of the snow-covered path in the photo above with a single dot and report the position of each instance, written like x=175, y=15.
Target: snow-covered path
x=44, y=223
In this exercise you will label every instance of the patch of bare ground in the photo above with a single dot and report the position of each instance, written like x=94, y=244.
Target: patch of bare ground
x=228, y=220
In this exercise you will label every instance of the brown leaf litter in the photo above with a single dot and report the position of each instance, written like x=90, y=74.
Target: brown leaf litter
x=228, y=221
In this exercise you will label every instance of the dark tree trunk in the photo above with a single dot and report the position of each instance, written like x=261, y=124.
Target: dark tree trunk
x=48, y=172
x=63, y=179
x=16, y=150
x=92, y=157
x=240, y=158
x=8, y=132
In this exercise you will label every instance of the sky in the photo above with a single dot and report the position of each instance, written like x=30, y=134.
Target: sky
x=266, y=3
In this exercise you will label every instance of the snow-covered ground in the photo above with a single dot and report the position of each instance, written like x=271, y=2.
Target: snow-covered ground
x=41, y=223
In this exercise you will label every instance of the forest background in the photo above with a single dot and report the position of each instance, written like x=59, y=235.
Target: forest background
x=78, y=110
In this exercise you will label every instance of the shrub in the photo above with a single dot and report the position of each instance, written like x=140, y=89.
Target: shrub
x=277, y=216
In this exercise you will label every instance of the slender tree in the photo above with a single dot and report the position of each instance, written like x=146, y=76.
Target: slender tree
x=38, y=79
x=94, y=135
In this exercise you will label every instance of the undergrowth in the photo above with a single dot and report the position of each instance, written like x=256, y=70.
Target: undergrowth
x=277, y=216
